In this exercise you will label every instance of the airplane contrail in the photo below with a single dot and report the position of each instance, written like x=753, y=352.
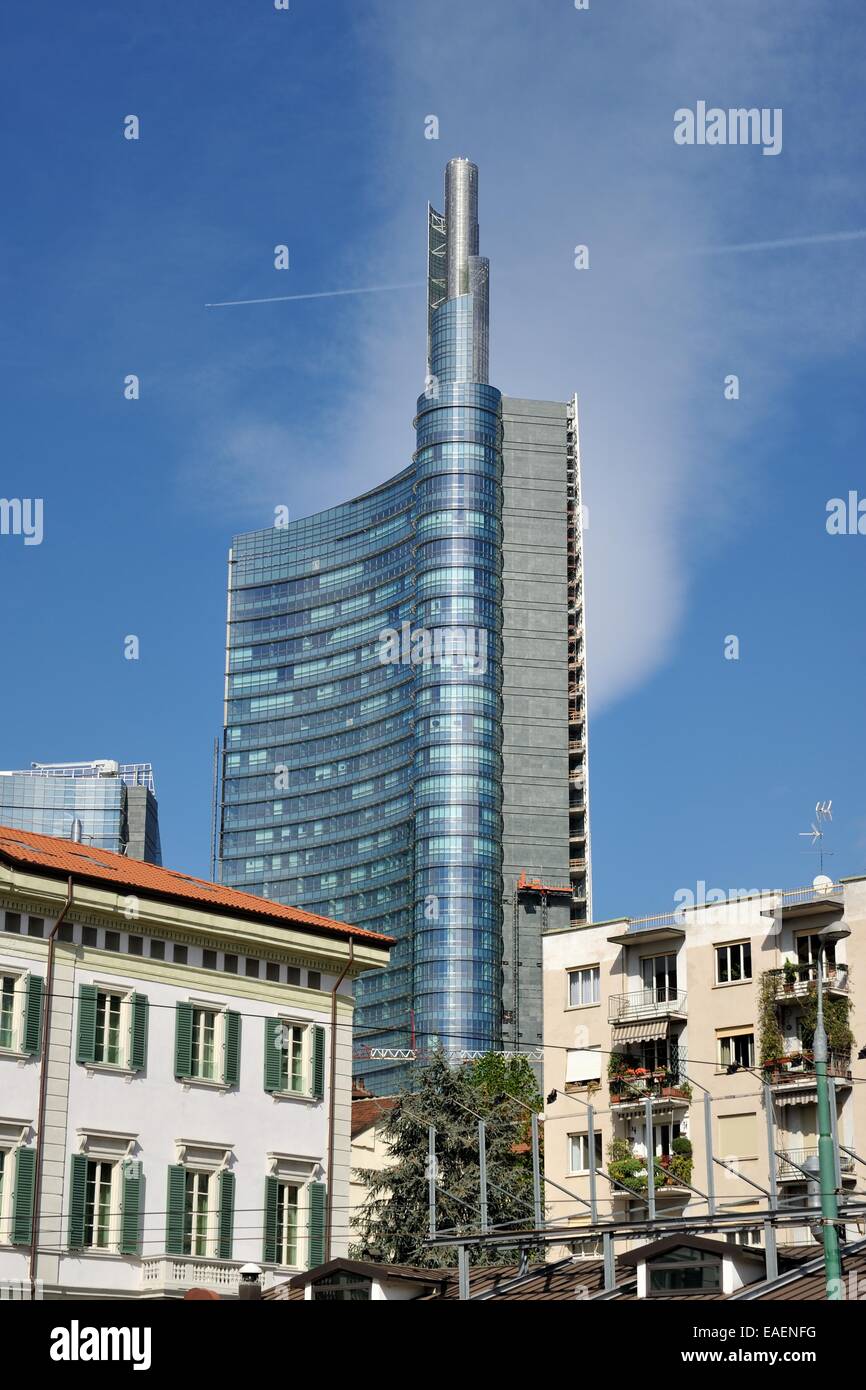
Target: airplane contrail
x=320, y=294
x=816, y=240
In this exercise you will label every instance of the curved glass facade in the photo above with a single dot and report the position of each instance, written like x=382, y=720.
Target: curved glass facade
x=363, y=760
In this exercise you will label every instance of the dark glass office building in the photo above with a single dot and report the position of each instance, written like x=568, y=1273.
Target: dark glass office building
x=104, y=803
x=405, y=732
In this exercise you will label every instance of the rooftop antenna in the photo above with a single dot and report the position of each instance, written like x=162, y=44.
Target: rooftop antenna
x=823, y=813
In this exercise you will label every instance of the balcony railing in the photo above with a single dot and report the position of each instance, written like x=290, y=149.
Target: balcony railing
x=635, y=1088
x=794, y=984
x=790, y=1158
x=646, y=1003
x=175, y=1274
x=799, y=1069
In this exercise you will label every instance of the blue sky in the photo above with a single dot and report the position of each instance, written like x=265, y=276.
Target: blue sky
x=706, y=516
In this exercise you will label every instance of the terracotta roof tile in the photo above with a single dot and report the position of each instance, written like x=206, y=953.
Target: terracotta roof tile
x=367, y=1111
x=60, y=858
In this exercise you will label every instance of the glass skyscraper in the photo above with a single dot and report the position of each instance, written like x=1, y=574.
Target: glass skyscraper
x=405, y=736
x=104, y=803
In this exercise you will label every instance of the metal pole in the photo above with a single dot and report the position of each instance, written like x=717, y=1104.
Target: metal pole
x=826, y=1156
x=431, y=1178
x=770, y=1248
x=834, y=1135
x=536, y=1174
x=482, y=1173
x=463, y=1272
x=708, y=1141
x=772, y=1165
x=590, y=1139
x=609, y=1262
x=650, y=1160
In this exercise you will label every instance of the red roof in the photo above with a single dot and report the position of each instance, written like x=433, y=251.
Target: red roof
x=25, y=849
x=367, y=1111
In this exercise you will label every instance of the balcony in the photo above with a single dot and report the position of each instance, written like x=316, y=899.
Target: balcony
x=788, y=1171
x=171, y=1276
x=795, y=983
x=634, y=1086
x=797, y=1072
x=642, y=1004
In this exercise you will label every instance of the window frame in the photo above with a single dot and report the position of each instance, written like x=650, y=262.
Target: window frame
x=727, y=947
x=731, y=1037
x=217, y=1042
x=112, y=1244
x=599, y=1156
x=577, y=975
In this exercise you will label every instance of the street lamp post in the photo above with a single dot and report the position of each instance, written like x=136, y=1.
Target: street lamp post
x=826, y=1152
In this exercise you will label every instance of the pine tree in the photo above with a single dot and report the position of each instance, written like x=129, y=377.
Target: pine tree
x=393, y=1224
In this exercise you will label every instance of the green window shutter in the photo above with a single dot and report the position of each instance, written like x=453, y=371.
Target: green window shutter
x=31, y=1040
x=130, y=1207
x=316, y=1225
x=232, y=1076
x=22, y=1196
x=183, y=1044
x=85, y=1050
x=269, y=1252
x=226, y=1215
x=77, y=1200
x=273, y=1053
x=138, y=1032
x=318, y=1063
x=174, y=1209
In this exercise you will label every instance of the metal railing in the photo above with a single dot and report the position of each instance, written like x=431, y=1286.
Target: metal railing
x=646, y=1003
x=835, y=978
x=802, y=1071
x=791, y=1162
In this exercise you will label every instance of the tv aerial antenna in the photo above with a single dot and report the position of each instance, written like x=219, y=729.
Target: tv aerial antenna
x=823, y=814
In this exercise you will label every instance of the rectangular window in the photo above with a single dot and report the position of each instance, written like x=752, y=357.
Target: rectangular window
x=209, y=959
x=179, y=955
x=292, y=1058
x=660, y=977
x=195, y=1215
x=737, y=1048
x=35, y=926
x=89, y=936
x=293, y=975
x=157, y=950
x=578, y=1152
x=203, y=1043
x=273, y=972
x=251, y=967
x=584, y=986
x=314, y=979
x=288, y=1204
x=230, y=964
x=135, y=946
x=97, y=1208
x=733, y=963
x=7, y=1010
x=112, y=941
x=108, y=1010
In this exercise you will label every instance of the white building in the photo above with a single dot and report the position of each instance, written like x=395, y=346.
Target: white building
x=181, y=1120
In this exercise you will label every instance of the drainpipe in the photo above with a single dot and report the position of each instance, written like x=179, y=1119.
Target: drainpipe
x=43, y=1089
x=329, y=1198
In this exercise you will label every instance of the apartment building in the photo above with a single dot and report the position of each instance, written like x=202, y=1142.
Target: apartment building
x=175, y=1077
x=687, y=1036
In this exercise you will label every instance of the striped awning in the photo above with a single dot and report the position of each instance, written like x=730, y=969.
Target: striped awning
x=642, y=1032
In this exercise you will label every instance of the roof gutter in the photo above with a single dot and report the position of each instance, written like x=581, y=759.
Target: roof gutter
x=43, y=1089
x=332, y=1090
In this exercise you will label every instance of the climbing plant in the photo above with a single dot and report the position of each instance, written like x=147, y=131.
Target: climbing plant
x=770, y=1037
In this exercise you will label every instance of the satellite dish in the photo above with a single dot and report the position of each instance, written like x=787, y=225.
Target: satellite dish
x=822, y=884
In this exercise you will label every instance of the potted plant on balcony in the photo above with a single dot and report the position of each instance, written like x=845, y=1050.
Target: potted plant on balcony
x=789, y=971
x=681, y=1158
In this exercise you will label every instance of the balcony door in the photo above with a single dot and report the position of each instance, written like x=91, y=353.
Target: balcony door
x=660, y=977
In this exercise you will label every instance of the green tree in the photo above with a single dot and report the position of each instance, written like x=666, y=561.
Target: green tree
x=393, y=1224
